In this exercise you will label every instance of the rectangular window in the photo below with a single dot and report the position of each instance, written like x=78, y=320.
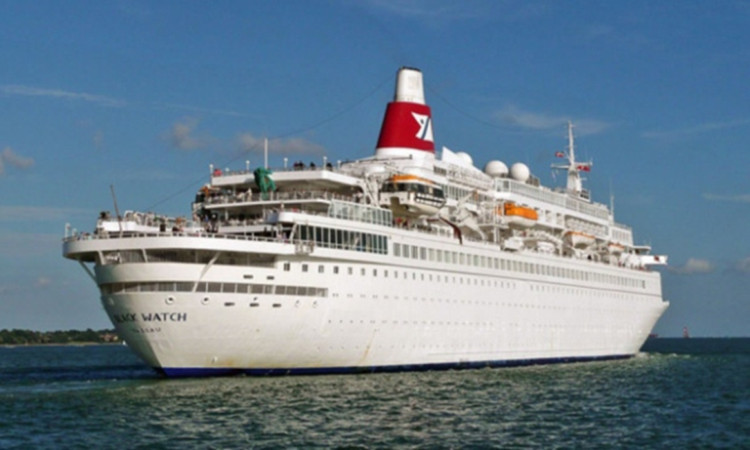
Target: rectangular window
x=396, y=249
x=304, y=267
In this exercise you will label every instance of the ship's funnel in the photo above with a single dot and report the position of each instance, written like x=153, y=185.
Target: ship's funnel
x=407, y=125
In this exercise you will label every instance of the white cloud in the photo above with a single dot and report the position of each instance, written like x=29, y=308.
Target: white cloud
x=696, y=129
x=43, y=281
x=149, y=175
x=541, y=121
x=98, y=139
x=9, y=157
x=425, y=9
x=40, y=213
x=197, y=109
x=22, y=246
x=182, y=135
x=743, y=265
x=15, y=89
x=739, y=198
x=694, y=266
x=440, y=12
x=249, y=143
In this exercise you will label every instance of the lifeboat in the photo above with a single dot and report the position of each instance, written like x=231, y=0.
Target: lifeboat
x=615, y=248
x=579, y=239
x=411, y=195
x=520, y=216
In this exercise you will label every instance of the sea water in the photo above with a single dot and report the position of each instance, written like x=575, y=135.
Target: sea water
x=692, y=393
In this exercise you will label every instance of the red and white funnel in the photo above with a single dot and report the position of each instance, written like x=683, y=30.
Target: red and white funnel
x=407, y=125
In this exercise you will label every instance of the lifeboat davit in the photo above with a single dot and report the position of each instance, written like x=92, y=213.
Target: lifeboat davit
x=579, y=239
x=519, y=216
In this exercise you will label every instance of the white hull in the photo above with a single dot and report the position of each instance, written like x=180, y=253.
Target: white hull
x=367, y=320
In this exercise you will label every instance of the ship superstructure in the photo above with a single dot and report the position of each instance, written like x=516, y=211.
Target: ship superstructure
x=402, y=260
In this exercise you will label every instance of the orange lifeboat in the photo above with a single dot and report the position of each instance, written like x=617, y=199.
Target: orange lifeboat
x=579, y=239
x=520, y=216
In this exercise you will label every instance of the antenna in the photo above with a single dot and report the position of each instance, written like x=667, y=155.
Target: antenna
x=117, y=210
x=265, y=153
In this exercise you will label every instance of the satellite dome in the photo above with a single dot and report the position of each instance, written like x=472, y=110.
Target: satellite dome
x=465, y=158
x=496, y=169
x=520, y=172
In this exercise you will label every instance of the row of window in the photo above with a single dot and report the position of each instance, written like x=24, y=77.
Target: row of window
x=189, y=256
x=227, y=288
x=344, y=239
x=465, y=259
x=385, y=273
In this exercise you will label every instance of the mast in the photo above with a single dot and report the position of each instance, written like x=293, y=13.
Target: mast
x=574, y=168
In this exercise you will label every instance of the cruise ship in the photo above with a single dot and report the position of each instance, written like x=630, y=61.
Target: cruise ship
x=409, y=259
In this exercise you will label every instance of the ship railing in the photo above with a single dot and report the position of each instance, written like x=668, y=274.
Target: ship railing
x=83, y=236
x=296, y=167
x=247, y=197
x=555, y=198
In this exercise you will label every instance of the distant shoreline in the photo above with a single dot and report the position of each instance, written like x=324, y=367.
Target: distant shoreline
x=20, y=337
x=60, y=344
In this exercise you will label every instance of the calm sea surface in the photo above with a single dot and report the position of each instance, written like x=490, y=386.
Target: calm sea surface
x=676, y=394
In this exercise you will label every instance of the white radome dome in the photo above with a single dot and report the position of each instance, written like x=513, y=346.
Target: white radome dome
x=520, y=172
x=496, y=169
x=466, y=158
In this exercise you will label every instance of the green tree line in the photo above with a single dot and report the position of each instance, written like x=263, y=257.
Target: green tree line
x=29, y=337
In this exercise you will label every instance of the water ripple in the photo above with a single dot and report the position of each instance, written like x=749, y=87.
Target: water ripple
x=653, y=400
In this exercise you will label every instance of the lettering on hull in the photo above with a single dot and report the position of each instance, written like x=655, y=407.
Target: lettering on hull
x=150, y=317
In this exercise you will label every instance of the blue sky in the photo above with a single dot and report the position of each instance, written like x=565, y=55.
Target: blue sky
x=145, y=95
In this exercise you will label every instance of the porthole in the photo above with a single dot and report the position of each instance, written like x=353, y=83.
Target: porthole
x=169, y=300
x=205, y=300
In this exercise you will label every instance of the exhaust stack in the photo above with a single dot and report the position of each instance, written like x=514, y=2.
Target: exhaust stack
x=407, y=125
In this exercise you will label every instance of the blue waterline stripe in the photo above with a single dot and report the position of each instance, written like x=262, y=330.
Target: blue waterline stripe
x=181, y=372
